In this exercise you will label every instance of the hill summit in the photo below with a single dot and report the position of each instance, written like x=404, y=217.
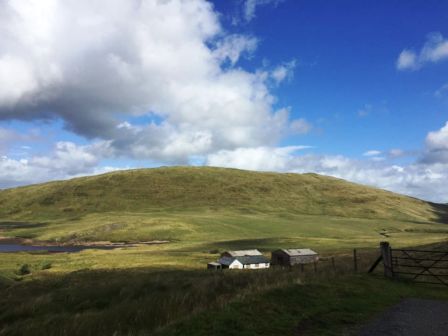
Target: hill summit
x=195, y=188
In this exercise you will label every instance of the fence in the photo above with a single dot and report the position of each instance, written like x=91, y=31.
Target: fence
x=357, y=260
x=423, y=266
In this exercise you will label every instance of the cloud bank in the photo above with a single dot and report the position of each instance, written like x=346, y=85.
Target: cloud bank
x=422, y=179
x=103, y=66
x=93, y=64
x=434, y=50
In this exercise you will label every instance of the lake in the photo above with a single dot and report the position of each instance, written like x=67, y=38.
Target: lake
x=52, y=249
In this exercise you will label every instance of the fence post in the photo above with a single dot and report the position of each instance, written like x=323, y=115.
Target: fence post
x=355, y=261
x=387, y=259
x=333, y=264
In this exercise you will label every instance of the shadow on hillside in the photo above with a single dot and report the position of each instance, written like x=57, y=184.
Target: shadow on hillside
x=242, y=244
x=109, y=302
x=441, y=211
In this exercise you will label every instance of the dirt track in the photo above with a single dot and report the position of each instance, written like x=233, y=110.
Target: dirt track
x=411, y=317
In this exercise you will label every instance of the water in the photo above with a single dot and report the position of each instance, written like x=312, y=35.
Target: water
x=52, y=249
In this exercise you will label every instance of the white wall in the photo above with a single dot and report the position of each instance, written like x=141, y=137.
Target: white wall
x=256, y=266
x=236, y=265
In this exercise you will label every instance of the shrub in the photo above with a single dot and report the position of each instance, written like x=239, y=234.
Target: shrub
x=45, y=265
x=24, y=269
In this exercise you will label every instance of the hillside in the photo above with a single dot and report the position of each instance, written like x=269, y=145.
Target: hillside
x=205, y=188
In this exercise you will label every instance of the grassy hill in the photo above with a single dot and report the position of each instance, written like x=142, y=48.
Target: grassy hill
x=195, y=188
x=203, y=208
x=164, y=288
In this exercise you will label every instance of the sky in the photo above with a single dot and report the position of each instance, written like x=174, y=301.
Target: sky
x=352, y=89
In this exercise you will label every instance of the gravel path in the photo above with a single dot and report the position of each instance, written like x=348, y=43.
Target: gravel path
x=411, y=317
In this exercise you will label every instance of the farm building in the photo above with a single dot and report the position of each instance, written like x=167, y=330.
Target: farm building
x=214, y=265
x=245, y=262
x=291, y=257
x=245, y=259
x=242, y=253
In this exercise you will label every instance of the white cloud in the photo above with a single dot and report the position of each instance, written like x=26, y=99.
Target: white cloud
x=426, y=178
x=94, y=64
x=442, y=91
x=301, y=126
x=233, y=46
x=407, y=60
x=65, y=161
x=396, y=153
x=434, y=50
x=284, y=71
x=372, y=152
x=418, y=180
x=257, y=158
x=436, y=146
x=250, y=7
x=438, y=139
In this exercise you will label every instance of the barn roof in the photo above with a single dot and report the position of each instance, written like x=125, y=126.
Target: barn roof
x=243, y=253
x=299, y=252
x=245, y=260
x=256, y=259
x=226, y=260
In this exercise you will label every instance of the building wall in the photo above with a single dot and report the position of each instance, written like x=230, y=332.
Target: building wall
x=278, y=258
x=281, y=258
x=257, y=266
x=294, y=260
x=236, y=265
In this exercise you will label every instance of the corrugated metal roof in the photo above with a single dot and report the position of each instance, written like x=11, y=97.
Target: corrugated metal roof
x=245, y=260
x=226, y=260
x=257, y=259
x=243, y=253
x=299, y=252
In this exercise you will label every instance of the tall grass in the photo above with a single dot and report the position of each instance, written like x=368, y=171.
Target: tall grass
x=126, y=301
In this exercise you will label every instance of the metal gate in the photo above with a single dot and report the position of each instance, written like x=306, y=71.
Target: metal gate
x=420, y=266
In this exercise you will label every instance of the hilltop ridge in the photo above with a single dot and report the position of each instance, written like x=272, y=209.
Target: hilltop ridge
x=195, y=188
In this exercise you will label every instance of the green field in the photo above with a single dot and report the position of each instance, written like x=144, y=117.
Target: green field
x=199, y=212
x=203, y=211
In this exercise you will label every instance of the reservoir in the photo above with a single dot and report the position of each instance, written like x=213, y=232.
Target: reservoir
x=52, y=249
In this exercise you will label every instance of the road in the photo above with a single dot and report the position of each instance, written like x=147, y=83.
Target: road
x=411, y=317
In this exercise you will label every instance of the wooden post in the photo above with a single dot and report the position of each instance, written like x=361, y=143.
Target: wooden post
x=333, y=264
x=386, y=253
x=315, y=267
x=355, y=261
x=302, y=268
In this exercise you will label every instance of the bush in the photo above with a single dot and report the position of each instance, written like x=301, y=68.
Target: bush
x=45, y=265
x=24, y=269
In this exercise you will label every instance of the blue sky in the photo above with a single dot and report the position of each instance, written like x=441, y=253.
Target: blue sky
x=357, y=90
x=346, y=54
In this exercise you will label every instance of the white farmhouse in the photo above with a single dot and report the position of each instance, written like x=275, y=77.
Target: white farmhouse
x=245, y=262
x=245, y=259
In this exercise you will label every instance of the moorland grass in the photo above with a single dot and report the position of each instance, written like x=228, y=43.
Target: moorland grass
x=320, y=308
x=144, y=301
x=163, y=288
x=206, y=188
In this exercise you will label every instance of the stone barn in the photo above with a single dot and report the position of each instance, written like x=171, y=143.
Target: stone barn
x=291, y=257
